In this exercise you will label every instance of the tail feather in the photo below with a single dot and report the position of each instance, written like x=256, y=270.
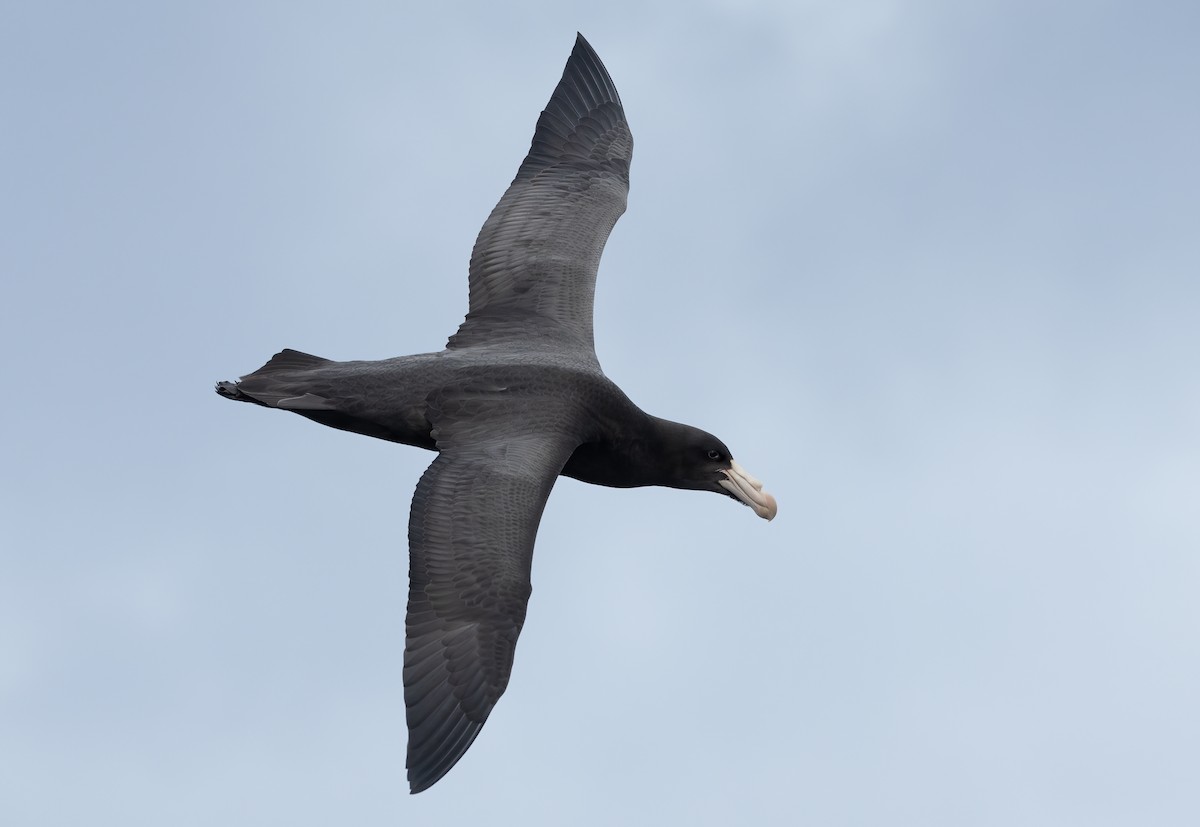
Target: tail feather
x=325, y=391
x=272, y=387
x=288, y=359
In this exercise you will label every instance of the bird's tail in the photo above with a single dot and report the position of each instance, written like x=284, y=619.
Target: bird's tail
x=279, y=383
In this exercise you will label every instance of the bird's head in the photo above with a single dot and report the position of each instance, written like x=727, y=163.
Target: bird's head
x=697, y=460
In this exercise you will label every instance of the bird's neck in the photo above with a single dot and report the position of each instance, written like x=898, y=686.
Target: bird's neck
x=635, y=458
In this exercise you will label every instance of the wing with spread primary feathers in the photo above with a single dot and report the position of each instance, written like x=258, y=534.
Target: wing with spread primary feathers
x=471, y=532
x=533, y=269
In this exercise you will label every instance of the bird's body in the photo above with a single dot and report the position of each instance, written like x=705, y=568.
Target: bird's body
x=516, y=399
x=389, y=398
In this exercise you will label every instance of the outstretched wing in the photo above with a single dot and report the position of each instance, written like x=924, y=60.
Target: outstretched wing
x=471, y=531
x=533, y=269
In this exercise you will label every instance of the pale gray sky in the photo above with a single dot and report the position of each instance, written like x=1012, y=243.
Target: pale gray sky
x=931, y=269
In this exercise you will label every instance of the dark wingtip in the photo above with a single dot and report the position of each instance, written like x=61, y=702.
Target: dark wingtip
x=600, y=82
x=585, y=93
x=432, y=762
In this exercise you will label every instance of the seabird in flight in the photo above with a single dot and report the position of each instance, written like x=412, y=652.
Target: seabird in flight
x=515, y=399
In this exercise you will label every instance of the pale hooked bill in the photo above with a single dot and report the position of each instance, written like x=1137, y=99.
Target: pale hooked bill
x=741, y=484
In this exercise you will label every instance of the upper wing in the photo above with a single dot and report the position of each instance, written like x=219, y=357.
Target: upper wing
x=533, y=269
x=471, y=531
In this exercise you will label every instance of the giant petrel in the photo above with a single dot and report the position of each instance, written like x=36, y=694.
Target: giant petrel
x=516, y=399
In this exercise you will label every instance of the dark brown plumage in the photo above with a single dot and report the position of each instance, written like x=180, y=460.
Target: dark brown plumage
x=516, y=399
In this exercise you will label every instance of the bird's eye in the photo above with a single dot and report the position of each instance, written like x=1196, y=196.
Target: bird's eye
x=714, y=454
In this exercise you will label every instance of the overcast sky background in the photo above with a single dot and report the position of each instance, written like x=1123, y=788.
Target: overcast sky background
x=931, y=269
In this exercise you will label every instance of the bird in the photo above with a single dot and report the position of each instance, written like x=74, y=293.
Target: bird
x=516, y=399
